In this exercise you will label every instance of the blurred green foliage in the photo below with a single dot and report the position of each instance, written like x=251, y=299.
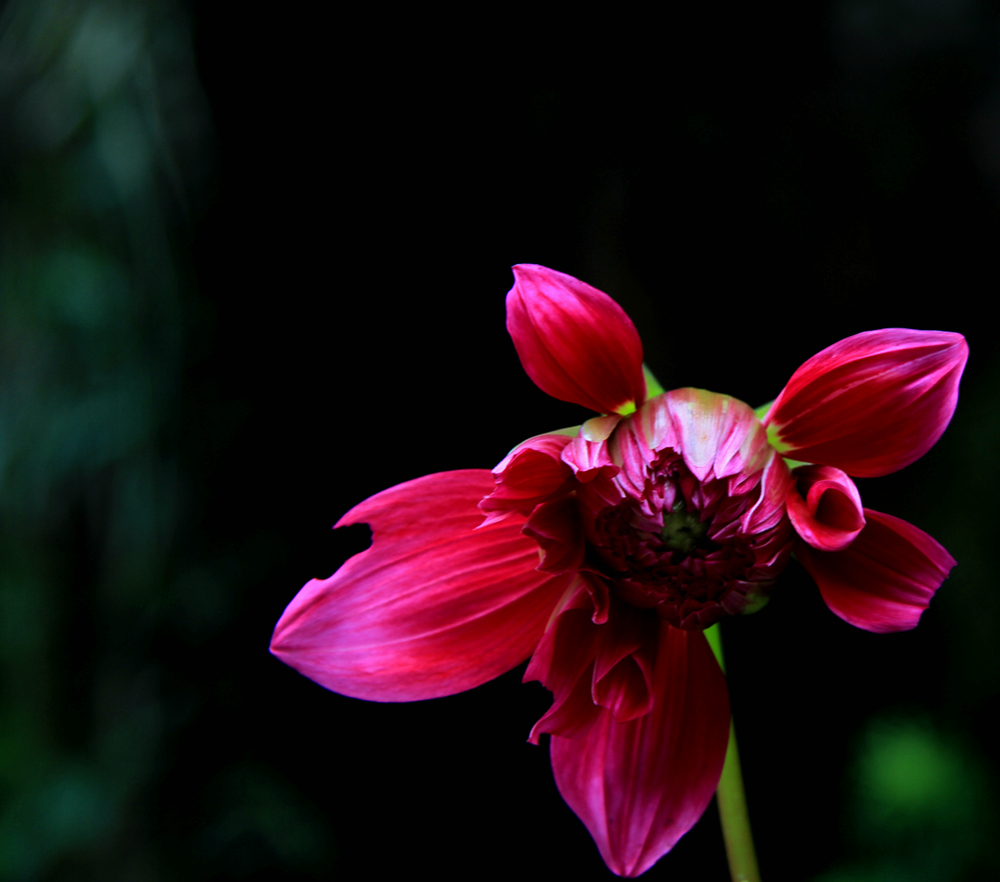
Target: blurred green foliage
x=105, y=145
x=920, y=806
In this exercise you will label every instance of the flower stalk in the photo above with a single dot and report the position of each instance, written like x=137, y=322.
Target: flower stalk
x=732, y=800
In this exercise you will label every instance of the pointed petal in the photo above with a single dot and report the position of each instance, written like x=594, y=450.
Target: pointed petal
x=885, y=579
x=433, y=607
x=641, y=785
x=873, y=403
x=574, y=341
x=825, y=507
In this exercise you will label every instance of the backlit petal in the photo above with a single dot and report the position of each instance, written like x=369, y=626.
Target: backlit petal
x=433, y=607
x=885, y=579
x=574, y=341
x=872, y=403
x=641, y=785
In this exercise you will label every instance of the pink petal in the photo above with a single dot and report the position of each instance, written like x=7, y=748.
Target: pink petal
x=825, y=507
x=589, y=459
x=574, y=341
x=719, y=435
x=885, y=579
x=769, y=509
x=641, y=785
x=433, y=607
x=872, y=403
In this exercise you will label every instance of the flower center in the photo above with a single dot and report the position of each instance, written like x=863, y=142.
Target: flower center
x=682, y=530
x=680, y=546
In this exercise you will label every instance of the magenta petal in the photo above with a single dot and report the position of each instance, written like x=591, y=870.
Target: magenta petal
x=574, y=341
x=872, y=403
x=433, y=607
x=885, y=579
x=824, y=506
x=641, y=785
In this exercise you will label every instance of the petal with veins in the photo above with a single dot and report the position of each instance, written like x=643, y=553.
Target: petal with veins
x=574, y=341
x=873, y=403
x=433, y=607
x=640, y=785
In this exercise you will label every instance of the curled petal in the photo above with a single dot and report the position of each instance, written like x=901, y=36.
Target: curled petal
x=564, y=663
x=433, y=607
x=532, y=473
x=872, y=403
x=825, y=507
x=640, y=785
x=590, y=658
x=885, y=579
x=623, y=668
x=574, y=341
x=768, y=511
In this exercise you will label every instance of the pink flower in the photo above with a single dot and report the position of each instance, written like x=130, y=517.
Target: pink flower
x=602, y=554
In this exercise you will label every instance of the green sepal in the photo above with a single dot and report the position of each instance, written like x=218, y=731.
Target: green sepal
x=653, y=387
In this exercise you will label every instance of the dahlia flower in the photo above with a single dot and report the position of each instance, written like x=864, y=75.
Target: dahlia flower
x=602, y=553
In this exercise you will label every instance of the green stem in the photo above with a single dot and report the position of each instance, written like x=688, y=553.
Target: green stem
x=731, y=798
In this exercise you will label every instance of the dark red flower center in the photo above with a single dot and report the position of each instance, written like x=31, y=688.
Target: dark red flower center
x=679, y=545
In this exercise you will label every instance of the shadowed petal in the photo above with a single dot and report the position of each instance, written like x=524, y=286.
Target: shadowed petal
x=623, y=668
x=574, y=341
x=555, y=526
x=564, y=661
x=872, y=403
x=641, y=785
x=433, y=607
x=885, y=579
x=825, y=507
x=531, y=473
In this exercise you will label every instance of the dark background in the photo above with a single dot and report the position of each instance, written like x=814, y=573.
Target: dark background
x=253, y=271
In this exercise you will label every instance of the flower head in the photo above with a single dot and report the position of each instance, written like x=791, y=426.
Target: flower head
x=603, y=553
